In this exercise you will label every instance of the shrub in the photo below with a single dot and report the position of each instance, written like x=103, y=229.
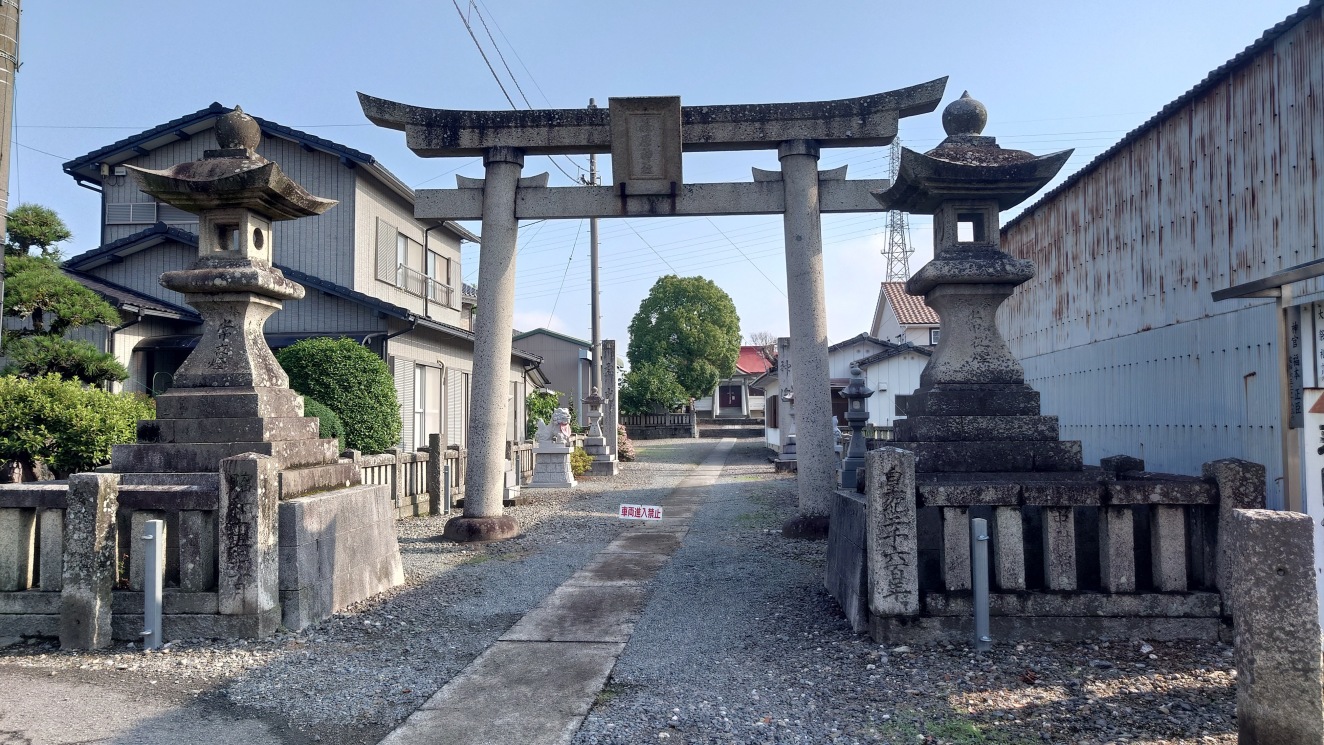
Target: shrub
x=580, y=461
x=60, y=423
x=329, y=425
x=624, y=445
x=351, y=381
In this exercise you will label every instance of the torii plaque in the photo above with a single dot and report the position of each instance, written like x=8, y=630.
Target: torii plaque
x=646, y=137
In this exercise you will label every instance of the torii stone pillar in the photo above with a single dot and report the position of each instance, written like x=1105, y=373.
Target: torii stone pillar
x=817, y=463
x=484, y=478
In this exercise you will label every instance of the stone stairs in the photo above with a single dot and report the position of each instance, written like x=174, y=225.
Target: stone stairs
x=731, y=427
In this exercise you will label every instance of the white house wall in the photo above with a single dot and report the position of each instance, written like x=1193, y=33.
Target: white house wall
x=892, y=376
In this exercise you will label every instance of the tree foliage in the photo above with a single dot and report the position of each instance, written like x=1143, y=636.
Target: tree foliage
x=688, y=325
x=353, y=382
x=64, y=425
x=538, y=407
x=53, y=303
x=31, y=226
x=650, y=388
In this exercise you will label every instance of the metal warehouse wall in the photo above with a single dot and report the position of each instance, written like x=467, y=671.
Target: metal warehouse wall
x=1118, y=329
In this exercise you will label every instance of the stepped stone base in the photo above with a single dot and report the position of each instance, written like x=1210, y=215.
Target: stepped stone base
x=229, y=403
x=977, y=428
x=975, y=399
x=167, y=457
x=1018, y=457
x=234, y=429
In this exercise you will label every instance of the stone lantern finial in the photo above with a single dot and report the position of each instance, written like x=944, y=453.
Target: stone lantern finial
x=238, y=131
x=964, y=117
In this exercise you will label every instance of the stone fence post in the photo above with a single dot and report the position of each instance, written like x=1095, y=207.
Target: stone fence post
x=892, y=539
x=435, y=463
x=89, y=560
x=248, y=573
x=1241, y=486
x=1277, y=629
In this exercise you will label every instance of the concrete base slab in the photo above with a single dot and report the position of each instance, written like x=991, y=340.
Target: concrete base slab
x=515, y=692
x=575, y=614
x=619, y=569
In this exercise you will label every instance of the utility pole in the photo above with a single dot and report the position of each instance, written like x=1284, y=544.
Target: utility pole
x=593, y=275
x=9, y=10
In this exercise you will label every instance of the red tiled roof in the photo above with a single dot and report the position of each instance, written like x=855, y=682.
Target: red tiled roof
x=910, y=310
x=752, y=361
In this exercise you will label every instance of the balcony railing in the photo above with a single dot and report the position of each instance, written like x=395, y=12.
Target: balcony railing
x=417, y=283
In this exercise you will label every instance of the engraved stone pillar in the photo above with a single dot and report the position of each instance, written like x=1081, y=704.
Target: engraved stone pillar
x=956, y=548
x=1009, y=558
x=485, y=481
x=1060, y=548
x=1241, y=485
x=1117, y=561
x=248, y=584
x=611, y=418
x=89, y=561
x=893, y=533
x=816, y=470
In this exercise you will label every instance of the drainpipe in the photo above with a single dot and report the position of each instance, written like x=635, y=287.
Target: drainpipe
x=413, y=321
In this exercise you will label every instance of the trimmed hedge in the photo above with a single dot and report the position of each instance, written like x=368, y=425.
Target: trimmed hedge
x=60, y=423
x=329, y=425
x=353, y=382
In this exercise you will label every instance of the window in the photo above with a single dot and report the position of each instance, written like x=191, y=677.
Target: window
x=401, y=258
x=933, y=336
x=132, y=213
x=427, y=403
x=438, y=271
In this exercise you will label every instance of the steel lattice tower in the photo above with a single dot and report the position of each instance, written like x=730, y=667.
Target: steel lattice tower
x=898, y=248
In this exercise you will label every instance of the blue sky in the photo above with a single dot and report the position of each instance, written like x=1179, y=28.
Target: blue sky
x=1054, y=75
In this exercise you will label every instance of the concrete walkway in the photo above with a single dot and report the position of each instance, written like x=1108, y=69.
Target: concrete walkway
x=536, y=684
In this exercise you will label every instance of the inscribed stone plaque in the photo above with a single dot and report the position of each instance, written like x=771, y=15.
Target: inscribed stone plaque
x=645, y=144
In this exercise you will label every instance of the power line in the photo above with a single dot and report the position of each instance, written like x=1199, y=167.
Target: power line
x=488, y=62
x=757, y=268
x=500, y=56
x=565, y=274
x=654, y=250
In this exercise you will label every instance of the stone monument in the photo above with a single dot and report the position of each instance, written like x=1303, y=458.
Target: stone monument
x=551, y=454
x=604, y=460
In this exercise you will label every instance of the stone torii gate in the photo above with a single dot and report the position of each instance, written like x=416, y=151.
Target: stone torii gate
x=646, y=137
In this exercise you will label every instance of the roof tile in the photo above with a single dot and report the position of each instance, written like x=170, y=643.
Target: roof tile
x=910, y=310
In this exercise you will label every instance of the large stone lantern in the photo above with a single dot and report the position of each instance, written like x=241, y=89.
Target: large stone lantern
x=857, y=395
x=973, y=410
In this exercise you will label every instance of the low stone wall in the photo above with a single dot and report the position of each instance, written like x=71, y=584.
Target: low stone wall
x=661, y=426
x=336, y=549
x=1111, y=551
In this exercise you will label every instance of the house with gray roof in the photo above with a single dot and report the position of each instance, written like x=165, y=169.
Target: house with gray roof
x=373, y=272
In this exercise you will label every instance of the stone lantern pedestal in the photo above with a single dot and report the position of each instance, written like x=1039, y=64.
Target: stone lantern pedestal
x=595, y=444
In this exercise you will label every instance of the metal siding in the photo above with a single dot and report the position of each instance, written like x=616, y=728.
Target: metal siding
x=142, y=271
x=1118, y=329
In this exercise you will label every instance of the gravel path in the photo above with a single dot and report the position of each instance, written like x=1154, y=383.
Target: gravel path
x=353, y=677
x=739, y=644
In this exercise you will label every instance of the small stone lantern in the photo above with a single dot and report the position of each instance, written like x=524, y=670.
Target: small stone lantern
x=595, y=401
x=857, y=415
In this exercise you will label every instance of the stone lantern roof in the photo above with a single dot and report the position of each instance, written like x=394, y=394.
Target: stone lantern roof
x=967, y=166
x=233, y=176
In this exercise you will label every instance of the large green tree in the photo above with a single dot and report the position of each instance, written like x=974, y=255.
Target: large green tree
x=689, y=326
x=53, y=303
x=31, y=226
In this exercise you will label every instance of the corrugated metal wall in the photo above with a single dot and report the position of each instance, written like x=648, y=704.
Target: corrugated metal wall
x=1225, y=190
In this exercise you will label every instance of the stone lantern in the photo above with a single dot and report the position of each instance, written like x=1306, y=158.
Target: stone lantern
x=973, y=410
x=595, y=437
x=857, y=415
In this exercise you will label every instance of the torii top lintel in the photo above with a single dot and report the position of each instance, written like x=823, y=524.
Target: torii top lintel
x=866, y=121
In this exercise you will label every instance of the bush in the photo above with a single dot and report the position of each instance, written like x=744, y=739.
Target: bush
x=329, y=425
x=580, y=462
x=351, y=381
x=60, y=423
x=624, y=445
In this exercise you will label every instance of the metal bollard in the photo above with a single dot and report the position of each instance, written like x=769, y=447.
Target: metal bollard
x=979, y=565
x=153, y=582
x=446, y=489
